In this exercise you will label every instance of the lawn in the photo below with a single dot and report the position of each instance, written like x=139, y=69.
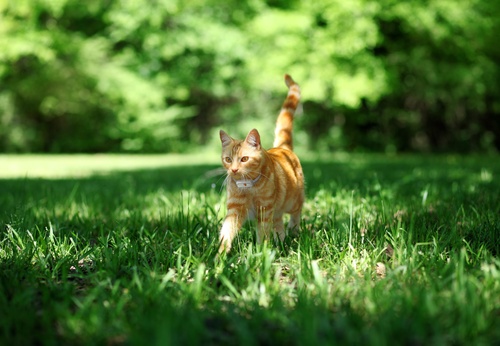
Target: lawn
x=104, y=249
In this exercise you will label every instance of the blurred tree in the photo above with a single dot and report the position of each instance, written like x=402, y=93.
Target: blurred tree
x=65, y=88
x=388, y=75
x=155, y=76
x=443, y=75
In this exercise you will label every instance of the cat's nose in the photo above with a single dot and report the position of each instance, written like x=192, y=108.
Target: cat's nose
x=234, y=170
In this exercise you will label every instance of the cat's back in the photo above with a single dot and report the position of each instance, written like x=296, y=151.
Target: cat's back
x=288, y=165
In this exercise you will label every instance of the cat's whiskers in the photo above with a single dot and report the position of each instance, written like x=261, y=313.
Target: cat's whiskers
x=263, y=175
x=214, y=172
x=222, y=173
x=224, y=183
x=223, y=176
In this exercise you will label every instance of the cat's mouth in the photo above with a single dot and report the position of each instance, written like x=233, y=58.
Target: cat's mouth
x=237, y=175
x=240, y=175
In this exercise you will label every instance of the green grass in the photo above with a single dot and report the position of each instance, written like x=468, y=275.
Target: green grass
x=120, y=250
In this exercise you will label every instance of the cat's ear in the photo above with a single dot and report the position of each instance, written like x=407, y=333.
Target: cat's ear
x=224, y=138
x=253, y=138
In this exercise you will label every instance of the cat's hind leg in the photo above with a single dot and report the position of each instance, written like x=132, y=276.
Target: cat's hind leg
x=293, y=226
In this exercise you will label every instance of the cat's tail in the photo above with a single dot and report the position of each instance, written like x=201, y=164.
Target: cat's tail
x=284, y=123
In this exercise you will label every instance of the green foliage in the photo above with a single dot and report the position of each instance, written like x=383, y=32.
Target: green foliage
x=120, y=250
x=158, y=76
x=444, y=77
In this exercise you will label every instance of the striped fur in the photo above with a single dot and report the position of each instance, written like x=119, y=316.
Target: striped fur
x=284, y=123
x=263, y=184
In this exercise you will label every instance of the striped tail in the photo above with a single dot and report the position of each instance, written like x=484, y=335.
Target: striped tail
x=284, y=123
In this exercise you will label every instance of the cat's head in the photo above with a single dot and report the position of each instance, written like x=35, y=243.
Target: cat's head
x=241, y=159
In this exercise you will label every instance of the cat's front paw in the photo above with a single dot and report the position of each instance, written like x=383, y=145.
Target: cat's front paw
x=224, y=245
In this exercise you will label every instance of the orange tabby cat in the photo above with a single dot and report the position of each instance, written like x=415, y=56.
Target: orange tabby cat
x=261, y=183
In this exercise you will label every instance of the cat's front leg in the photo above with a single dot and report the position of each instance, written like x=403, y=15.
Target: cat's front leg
x=230, y=227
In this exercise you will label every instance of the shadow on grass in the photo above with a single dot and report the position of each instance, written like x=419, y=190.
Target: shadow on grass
x=406, y=176
x=423, y=190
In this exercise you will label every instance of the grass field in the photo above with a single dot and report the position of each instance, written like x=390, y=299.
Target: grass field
x=120, y=250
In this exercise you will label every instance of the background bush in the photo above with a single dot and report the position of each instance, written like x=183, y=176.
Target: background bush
x=158, y=76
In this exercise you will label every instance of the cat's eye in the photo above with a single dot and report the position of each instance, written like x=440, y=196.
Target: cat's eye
x=228, y=159
x=244, y=159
